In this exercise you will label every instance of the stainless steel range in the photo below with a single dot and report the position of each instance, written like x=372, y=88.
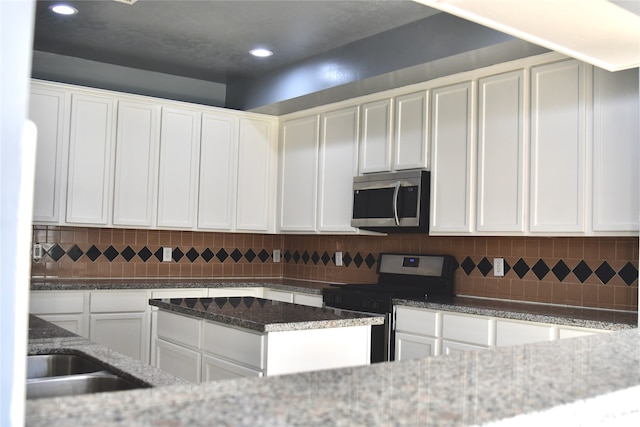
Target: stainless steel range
x=400, y=276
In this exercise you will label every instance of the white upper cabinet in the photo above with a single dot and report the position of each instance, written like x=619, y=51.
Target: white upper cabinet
x=49, y=110
x=338, y=166
x=377, y=136
x=298, y=174
x=411, y=146
x=178, y=172
x=616, y=141
x=218, y=166
x=256, y=155
x=136, y=164
x=452, y=166
x=501, y=153
x=558, y=147
x=90, y=170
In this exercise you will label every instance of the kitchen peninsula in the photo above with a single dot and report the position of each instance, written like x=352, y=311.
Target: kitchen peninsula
x=246, y=336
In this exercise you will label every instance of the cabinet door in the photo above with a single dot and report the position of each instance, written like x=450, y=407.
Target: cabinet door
x=452, y=162
x=178, y=173
x=410, y=346
x=377, y=137
x=411, y=146
x=298, y=174
x=177, y=360
x=557, y=147
x=136, y=163
x=453, y=347
x=615, y=150
x=338, y=166
x=515, y=333
x=218, y=160
x=90, y=159
x=501, y=153
x=215, y=369
x=254, y=175
x=478, y=330
x=48, y=110
x=127, y=333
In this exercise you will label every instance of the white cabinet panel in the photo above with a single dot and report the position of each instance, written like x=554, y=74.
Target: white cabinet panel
x=557, y=147
x=215, y=369
x=48, y=109
x=255, y=153
x=136, y=164
x=411, y=146
x=179, y=361
x=127, y=333
x=248, y=347
x=178, y=171
x=298, y=174
x=218, y=164
x=470, y=329
x=453, y=347
x=118, y=301
x=501, y=153
x=276, y=295
x=377, y=136
x=90, y=159
x=514, y=333
x=417, y=320
x=235, y=292
x=452, y=166
x=308, y=299
x=338, y=166
x=410, y=346
x=616, y=141
x=181, y=329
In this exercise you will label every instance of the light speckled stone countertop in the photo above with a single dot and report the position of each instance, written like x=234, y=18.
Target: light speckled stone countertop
x=457, y=390
x=264, y=315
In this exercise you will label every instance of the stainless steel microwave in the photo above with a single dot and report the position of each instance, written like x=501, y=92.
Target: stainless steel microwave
x=392, y=202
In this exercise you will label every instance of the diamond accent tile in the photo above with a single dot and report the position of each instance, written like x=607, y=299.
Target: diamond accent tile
x=192, y=254
x=222, y=255
x=93, y=253
x=220, y=301
x=296, y=257
x=111, y=253
x=325, y=258
x=540, y=269
x=582, y=271
x=370, y=260
x=75, y=252
x=507, y=267
x=561, y=270
x=158, y=254
x=468, y=265
x=485, y=266
x=287, y=255
x=207, y=255
x=177, y=254
x=56, y=252
x=128, y=253
x=346, y=259
x=264, y=255
x=357, y=260
x=144, y=254
x=305, y=257
x=521, y=268
x=628, y=273
x=236, y=255
x=605, y=272
x=250, y=255
x=315, y=258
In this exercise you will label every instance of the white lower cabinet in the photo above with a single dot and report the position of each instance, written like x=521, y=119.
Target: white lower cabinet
x=311, y=300
x=65, y=309
x=214, y=369
x=422, y=332
x=178, y=360
x=278, y=295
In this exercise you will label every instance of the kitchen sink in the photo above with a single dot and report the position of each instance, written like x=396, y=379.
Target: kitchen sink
x=57, y=375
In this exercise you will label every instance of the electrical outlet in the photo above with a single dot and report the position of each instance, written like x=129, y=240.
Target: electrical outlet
x=276, y=255
x=498, y=267
x=166, y=254
x=338, y=256
x=38, y=252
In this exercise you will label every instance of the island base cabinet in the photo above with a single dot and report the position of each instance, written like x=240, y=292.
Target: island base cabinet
x=215, y=369
x=177, y=360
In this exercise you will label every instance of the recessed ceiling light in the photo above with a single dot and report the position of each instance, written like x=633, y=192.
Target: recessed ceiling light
x=261, y=53
x=63, y=9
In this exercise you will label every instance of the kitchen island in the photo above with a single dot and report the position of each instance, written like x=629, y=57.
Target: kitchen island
x=233, y=337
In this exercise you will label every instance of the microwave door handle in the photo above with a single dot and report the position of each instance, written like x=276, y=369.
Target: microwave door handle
x=395, y=202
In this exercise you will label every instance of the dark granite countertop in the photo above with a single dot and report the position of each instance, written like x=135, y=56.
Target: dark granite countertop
x=264, y=315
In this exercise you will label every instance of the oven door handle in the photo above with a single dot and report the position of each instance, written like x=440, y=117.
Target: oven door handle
x=396, y=191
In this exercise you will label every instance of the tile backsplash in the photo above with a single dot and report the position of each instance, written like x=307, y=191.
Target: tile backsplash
x=591, y=271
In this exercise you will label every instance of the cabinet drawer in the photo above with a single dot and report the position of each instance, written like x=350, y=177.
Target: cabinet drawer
x=307, y=299
x=118, y=302
x=421, y=322
x=247, y=347
x=470, y=329
x=275, y=295
x=514, y=333
x=56, y=302
x=214, y=369
x=180, y=329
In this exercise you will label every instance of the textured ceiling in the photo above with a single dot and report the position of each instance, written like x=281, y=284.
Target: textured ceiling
x=210, y=40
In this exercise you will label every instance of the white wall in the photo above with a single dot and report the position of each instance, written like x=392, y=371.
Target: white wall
x=16, y=197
